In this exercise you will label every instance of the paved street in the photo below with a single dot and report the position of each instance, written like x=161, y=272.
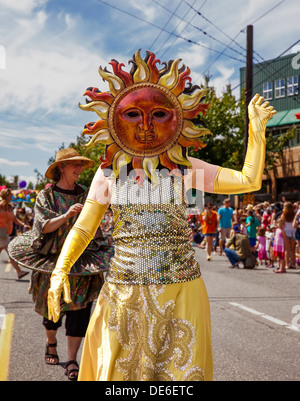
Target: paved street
x=253, y=312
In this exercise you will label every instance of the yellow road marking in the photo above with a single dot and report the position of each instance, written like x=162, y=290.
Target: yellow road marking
x=5, y=345
x=7, y=268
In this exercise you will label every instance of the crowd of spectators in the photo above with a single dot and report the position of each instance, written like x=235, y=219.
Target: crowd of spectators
x=263, y=234
x=270, y=232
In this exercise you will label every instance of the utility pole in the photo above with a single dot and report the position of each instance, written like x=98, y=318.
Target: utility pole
x=249, y=78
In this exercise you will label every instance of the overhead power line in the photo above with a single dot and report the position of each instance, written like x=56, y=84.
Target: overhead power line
x=266, y=13
x=174, y=39
x=171, y=33
x=166, y=24
x=274, y=72
x=198, y=28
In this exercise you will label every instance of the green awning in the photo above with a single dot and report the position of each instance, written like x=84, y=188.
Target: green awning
x=290, y=118
x=284, y=118
x=276, y=120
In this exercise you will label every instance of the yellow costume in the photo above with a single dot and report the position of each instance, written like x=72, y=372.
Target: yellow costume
x=152, y=318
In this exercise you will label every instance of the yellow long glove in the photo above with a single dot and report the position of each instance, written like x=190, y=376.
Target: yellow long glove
x=230, y=181
x=77, y=240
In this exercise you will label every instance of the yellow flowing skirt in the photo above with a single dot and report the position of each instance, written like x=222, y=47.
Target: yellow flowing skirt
x=149, y=333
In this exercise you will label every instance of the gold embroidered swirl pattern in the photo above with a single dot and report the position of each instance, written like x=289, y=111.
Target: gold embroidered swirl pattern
x=159, y=346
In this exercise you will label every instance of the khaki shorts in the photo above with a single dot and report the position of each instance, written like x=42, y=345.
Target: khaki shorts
x=224, y=233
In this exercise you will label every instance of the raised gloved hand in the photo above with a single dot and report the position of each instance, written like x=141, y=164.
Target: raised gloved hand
x=77, y=240
x=230, y=181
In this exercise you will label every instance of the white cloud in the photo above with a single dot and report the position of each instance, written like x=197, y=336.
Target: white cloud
x=13, y=163
x=222, y=79
x=21, y=6
x=194, y=57
x=46, y=72
x=149, y=11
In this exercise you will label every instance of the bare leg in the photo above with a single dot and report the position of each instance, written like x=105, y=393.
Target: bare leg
x=209, y=241
x=73, y=347
x=15, y=265
x=51, y=339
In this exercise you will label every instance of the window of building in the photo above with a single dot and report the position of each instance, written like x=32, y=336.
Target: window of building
x=292, y=86
x=279, y=88
x=268, y=90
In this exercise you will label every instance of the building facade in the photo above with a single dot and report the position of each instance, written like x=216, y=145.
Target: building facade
x=278, y=82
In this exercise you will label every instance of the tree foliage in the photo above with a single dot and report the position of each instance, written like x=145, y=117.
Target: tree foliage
x=226, y=120
x=3, y=181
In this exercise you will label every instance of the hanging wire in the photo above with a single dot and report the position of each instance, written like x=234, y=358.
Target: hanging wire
x=171, y=33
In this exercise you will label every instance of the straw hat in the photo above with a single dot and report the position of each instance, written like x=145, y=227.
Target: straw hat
x=66, y=155
x=249, y=207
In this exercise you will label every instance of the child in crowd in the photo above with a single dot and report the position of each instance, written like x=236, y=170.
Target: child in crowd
x=278, y=250
x=298, y=258
x=243, y=228
x=270, y=234
x=261, y=246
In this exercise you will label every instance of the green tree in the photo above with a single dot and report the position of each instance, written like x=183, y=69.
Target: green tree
x=3, y=181
x=225, y=119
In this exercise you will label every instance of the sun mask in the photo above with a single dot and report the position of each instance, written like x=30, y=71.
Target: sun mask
x=147, y=117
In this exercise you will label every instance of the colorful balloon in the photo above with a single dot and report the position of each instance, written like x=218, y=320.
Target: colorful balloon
x=22, y=184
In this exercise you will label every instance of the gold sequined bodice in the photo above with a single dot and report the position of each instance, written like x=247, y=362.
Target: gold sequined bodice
x=151, y=234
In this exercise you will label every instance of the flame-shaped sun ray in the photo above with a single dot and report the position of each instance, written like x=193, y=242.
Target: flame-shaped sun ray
x=142, y=74
x=101, y=108
x=95, y=94
x=166, y=162
x=149, y=166
x=103, y=136
x=125, y=76
x=183, y=77
x=170, y=79
x=192, y=131
x=137, y=164
x=111, y=151
x=120, y=159
x=192, y=113
x=92, y=128
x=116, y=84
x=154, y=73
x=190, y=101
x=176, y=156
x=186, y=142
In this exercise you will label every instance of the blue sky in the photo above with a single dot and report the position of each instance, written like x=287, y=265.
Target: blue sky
x=53, y=49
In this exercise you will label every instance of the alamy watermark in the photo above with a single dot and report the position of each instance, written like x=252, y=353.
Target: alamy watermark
x=164, y=188
x=2, y=58
x=296, y=59
x=296, y=319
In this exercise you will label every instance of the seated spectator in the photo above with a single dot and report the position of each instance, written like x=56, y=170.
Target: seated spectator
x=241, y=251
x=197, y=237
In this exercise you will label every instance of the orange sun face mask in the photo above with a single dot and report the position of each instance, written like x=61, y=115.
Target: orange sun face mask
x=147, y=116
x=146, y=121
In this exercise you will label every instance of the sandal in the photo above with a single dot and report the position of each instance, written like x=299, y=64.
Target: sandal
x=51, y=356
x=68, y=372
x=22, y=274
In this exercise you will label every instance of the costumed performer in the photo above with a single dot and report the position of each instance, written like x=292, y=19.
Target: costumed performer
x=56, y=210
x=152, y=318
